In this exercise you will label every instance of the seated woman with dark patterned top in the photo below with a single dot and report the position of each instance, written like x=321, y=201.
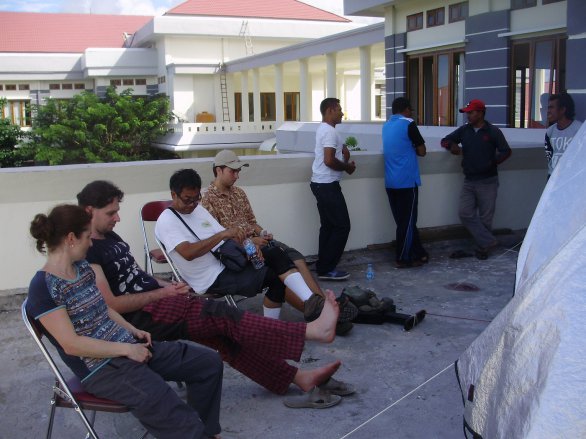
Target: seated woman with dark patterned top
x=119, y=362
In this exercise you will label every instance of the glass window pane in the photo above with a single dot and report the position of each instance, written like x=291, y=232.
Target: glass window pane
x=443, y=85
x=542, y=83
x=414, y=85
x=237, y=107
x=267, y=106
x=521, y=64
x=458, y=101
x=428, y=91
x=250, y=107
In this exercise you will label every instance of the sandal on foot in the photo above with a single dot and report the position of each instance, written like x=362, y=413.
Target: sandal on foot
x=336, y=387
x=316, y=399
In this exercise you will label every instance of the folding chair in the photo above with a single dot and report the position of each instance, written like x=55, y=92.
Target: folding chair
x=149, y=213
x=69, y=393
x=176, y=276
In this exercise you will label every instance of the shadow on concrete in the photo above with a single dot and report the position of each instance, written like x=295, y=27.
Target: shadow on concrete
x=406, y=382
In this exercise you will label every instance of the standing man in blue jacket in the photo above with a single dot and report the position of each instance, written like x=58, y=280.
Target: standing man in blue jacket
x=402, y=143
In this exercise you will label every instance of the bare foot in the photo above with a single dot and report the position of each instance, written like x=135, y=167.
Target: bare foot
x=324, y=327
x=308, y=379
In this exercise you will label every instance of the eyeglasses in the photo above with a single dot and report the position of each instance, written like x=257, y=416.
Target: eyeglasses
x=188, y=201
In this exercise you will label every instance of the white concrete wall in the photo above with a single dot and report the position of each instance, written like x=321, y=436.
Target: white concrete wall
x=193, y=94
x=351, y=99
x=539, y=17
x=25, y=66
x=278, y=190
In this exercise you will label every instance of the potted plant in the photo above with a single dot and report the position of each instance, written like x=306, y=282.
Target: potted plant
x=352, y=144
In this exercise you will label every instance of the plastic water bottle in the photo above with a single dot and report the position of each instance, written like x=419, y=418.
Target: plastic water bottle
x=369, y=273
x=252, y=254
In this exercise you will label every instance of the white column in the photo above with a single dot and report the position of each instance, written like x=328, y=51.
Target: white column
x=244, y=97
x=331, y=89
x=365, y=84
x=304, y=95
x=256, y=94
x=279, y=102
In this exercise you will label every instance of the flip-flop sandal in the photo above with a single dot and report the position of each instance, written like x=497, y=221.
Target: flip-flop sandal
x=316, y=399
x=459, y=254
x=336, y=387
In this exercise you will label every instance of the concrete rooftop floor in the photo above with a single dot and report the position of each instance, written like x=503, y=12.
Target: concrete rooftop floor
x=406, y=385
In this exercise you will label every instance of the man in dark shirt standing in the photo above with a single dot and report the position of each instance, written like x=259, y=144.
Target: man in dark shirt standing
x=483, y=148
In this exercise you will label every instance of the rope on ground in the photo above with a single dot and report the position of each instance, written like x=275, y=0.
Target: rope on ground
x=508, y=250
x=449, y=366
x=460, y=318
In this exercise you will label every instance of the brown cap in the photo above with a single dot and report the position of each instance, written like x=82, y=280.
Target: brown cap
x=228, y=158
x=473, y=105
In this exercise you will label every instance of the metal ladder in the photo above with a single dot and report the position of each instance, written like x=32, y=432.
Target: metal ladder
x=224, y=93
x=245, y=32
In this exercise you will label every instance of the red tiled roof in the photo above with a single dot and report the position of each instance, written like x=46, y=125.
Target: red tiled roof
x=64, y=33
x=273, y=9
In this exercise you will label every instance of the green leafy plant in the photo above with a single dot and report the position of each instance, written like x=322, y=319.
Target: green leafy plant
x=88, y=129
x=352, y=144
x=11, y=154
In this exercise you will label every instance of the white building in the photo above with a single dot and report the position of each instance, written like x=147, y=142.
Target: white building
x=193, y=54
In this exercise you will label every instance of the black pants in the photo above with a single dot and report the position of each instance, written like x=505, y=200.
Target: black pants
x=404, y=207
x=250, y=282
x=335, y=224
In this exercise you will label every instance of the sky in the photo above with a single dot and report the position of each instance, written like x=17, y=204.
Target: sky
x=137, y=7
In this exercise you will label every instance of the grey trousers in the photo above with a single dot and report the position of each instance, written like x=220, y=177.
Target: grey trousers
x=477, y=204
x=143, y=388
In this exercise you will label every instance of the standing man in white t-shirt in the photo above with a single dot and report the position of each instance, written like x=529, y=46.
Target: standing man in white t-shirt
x=332, y=158
x=562, y=128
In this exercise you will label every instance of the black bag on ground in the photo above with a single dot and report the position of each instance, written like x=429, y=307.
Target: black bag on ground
x=375, y=311
x=371, y=309
x=232, y=255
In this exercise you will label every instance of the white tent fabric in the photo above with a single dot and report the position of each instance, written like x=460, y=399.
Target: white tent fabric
x=528, y=368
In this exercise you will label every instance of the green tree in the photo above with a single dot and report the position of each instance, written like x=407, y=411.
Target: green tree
x=88, y=129
x=10, y=136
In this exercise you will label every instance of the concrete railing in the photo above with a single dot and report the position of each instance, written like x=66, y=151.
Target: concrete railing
x=223, y=127
x=278, y=190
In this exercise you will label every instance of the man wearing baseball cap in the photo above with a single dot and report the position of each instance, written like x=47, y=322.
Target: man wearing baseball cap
x=228, y=158
x=230, y=206
x=483, y=147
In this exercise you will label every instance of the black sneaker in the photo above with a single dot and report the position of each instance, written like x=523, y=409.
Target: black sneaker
x=334, y=275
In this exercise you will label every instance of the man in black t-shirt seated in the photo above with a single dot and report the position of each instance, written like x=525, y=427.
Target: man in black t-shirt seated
x=254, y=345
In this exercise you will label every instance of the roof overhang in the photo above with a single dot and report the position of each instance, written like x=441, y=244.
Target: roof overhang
x=191, y=26
x=364, y=36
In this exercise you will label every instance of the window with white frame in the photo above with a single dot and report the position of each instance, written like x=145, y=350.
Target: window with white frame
x=18, y=112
